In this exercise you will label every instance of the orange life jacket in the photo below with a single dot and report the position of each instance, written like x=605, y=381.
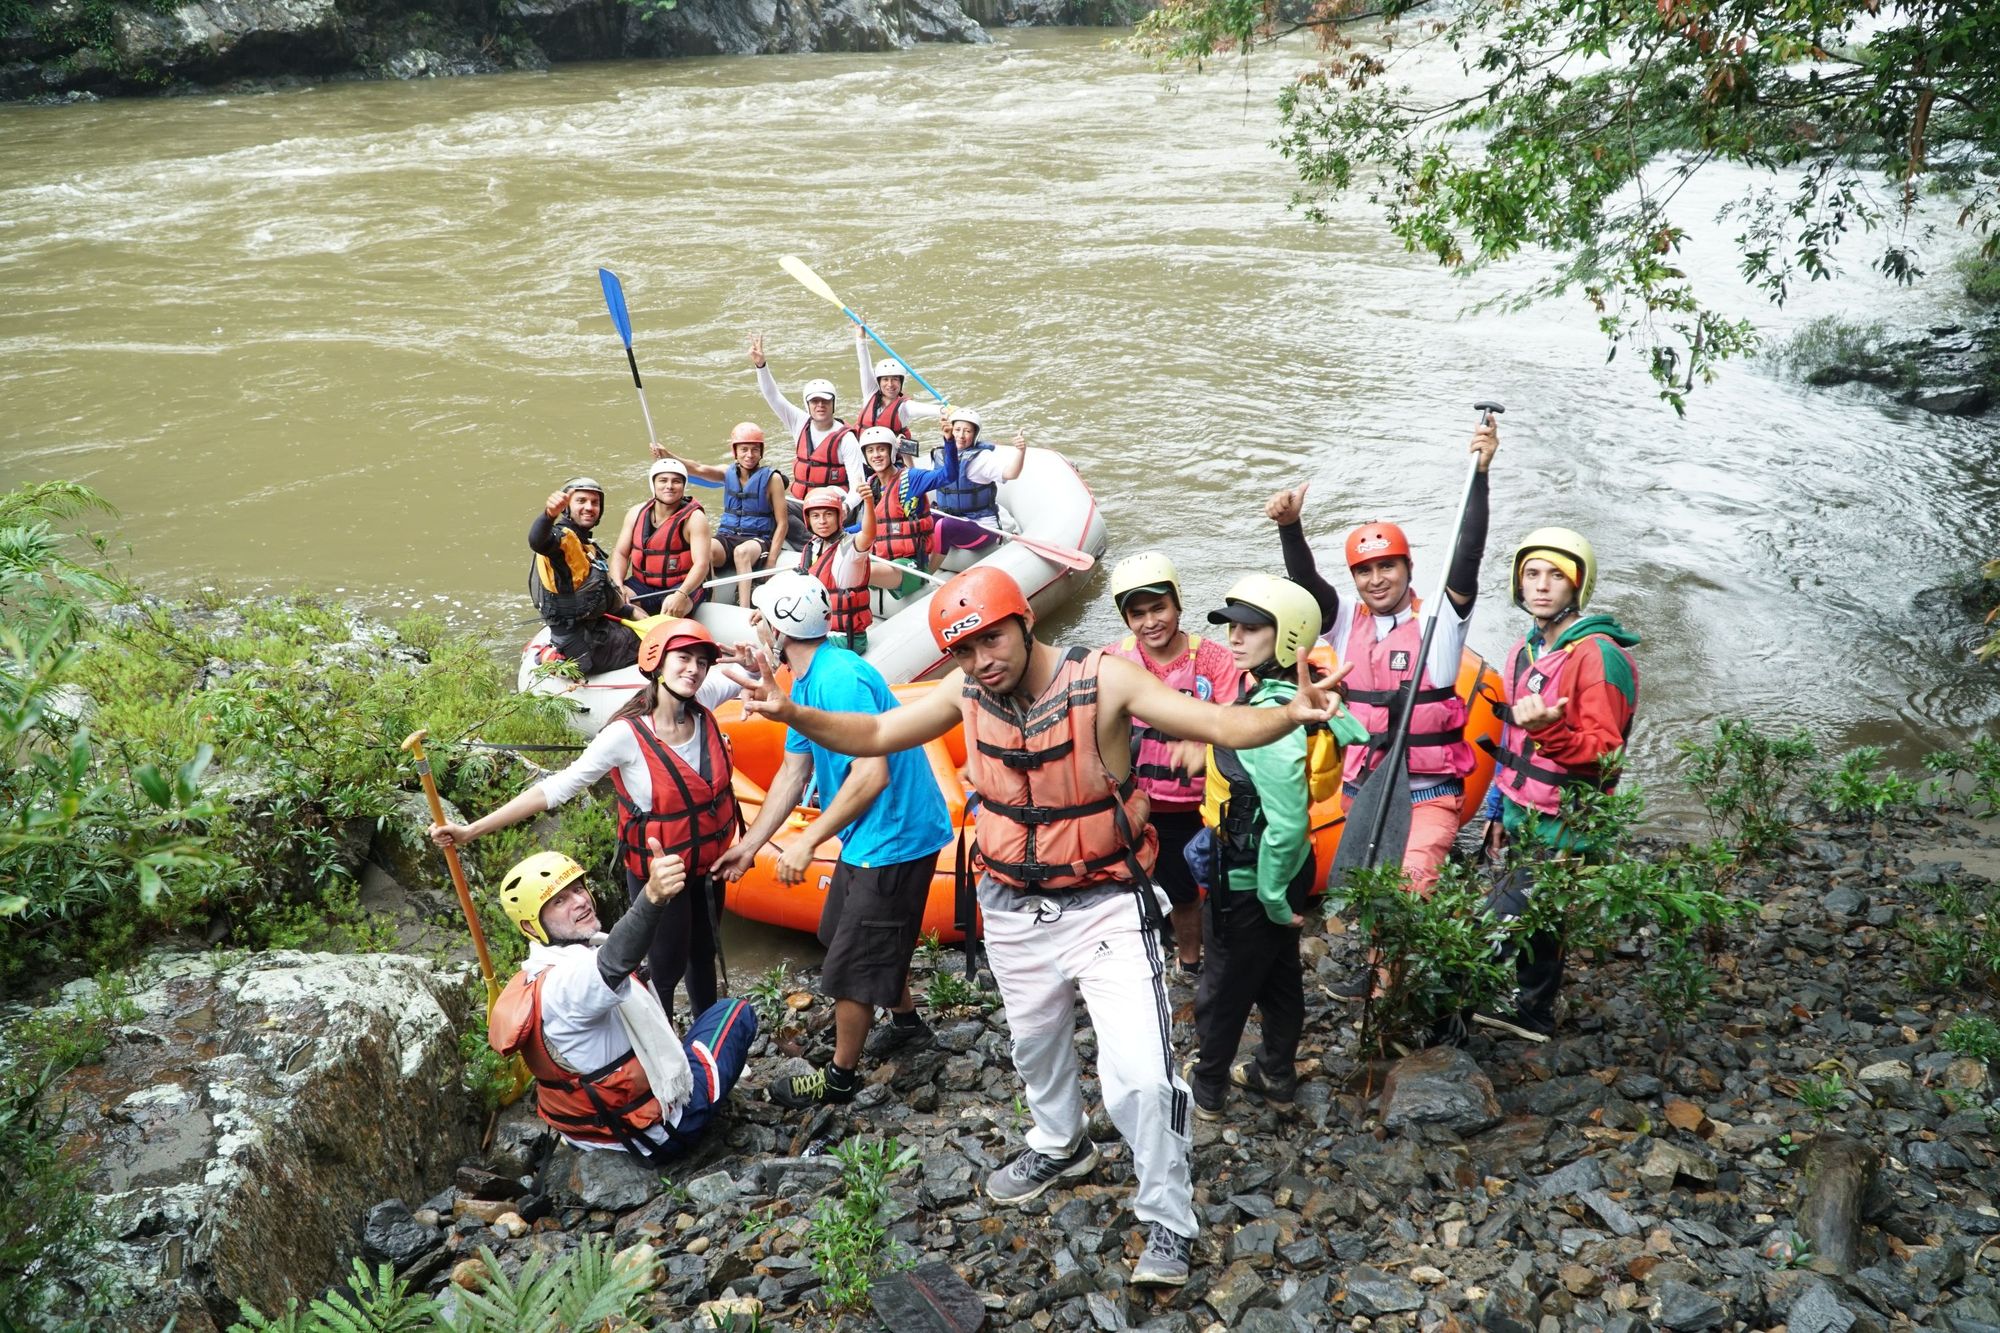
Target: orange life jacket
x=661, y=556
x=902, y=529
x=614, y=1104
x=1050, y=815
x=695, y=818
x=848, y=613
x=817, y=465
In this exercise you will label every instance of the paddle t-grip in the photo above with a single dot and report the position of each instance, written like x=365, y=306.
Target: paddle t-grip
x=1487, y=410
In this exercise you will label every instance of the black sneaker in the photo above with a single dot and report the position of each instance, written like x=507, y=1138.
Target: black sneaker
x=1357, y=987
x=890, y=1037
x=818, y=1088
x=1520, y=1023
x=1032, y=1172
x=1249, y=1074
x=1188, y=972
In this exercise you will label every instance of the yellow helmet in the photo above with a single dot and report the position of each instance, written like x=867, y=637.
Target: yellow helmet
x=528, y=887
x=1149, y=571
x=1563, y=547
x=1279, y=602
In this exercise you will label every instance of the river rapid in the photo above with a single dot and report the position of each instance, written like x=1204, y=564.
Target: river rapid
x=347, y=338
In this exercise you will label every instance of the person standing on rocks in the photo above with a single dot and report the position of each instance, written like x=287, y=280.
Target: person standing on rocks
x=610, y=1073
x=1147, y=592
x=672, y=774
x=891, y=820
x=1068, y=895
x=664, y=553
x=570, y=578
x=1256, y=857
x=826, y=452
x=1572, y=692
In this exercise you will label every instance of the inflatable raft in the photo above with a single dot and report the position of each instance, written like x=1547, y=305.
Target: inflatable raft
x=758, y=748
x=1048, y=501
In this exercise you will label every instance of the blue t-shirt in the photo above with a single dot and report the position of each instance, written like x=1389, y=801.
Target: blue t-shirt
x=907, y=820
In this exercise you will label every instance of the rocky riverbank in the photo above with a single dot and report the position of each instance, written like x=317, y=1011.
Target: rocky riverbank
x=68, y=49
x=1601, y=1181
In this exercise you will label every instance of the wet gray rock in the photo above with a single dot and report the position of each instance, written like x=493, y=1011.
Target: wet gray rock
x=393, y=1236
x=1668, y=1163
x=1441, y=1087
x=1236, y=1289
x=930, y=1298
x=1579, y=1177
x=612, y=1180
x=1510, y=1308
x=1370, y=1291
x=1615, y=1214
x=1688, y=1309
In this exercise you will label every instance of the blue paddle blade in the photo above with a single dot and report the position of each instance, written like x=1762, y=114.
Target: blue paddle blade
x=614, y=301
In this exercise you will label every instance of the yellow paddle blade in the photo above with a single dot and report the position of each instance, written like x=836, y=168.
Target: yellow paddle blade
x=808, y=279
x=644, y=625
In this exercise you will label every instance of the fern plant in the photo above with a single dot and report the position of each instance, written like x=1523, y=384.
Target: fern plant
x=382, y=1303
x=592, y=1288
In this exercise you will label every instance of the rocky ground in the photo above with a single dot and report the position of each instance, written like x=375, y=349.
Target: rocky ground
x=1950, y=369
x=1600, y=1181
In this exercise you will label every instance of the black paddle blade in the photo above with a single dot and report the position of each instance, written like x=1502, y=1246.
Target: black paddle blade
x=1378, y=823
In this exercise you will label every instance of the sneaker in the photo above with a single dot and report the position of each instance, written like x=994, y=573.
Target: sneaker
x=816, y=1089
x=1032, y=1172
x=1360, y=986
x=890, y=1037
x=1188, y=971
x=1249, y=1074
x=1520, y=1023
x=1205, y=1107
x=1168, y=1257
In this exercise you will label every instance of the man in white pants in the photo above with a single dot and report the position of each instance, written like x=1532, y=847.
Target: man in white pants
x=1068, y=894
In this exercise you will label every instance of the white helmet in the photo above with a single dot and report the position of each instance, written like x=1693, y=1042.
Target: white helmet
x=969, y=415
x=819, y=389
x=661, y=467
x=795, y=604
x=886, y=369
x=878, y=435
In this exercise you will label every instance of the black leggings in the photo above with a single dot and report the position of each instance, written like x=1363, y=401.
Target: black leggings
x=683, y=942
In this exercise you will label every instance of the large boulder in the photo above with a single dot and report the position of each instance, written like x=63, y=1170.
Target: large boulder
x=240, y=1128
x=761, y=27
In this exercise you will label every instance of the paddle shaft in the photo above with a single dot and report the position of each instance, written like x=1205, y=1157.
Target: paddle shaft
x=652, y=437
x=415, y=744
x=877, y=340
x=802, y=273
x=1067, y=556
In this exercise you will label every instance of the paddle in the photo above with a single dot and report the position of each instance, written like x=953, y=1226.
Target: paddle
x=614, y=301
x=414, y=743
x=1378, y=823
x=1066, y=556
x=815, y=284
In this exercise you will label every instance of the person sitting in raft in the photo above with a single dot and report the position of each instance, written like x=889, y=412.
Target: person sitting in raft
x=664, y=554
x=900, y=497
x=840, y=561
x=825, y=452
x=975, y=493
x=891, y=820
x=672, y=775
x=1255, y=854
x=1382, y=646
x=1147, y=592
x=610, y=1073
x=1572, y=692
x=882, y=400
x=754, y=514
x=570, y=578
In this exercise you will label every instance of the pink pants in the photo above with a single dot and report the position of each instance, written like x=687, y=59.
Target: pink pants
x=1433, y=826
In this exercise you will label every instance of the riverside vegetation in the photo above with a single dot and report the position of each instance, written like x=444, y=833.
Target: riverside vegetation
x=210, y=774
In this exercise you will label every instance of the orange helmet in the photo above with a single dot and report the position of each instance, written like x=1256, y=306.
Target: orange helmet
x=824, y=497
x=980, y=597
x=678, y=633
x=745, y=432
x=1376, y=541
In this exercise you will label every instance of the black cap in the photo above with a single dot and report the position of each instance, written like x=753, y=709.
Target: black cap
x=1243, y=614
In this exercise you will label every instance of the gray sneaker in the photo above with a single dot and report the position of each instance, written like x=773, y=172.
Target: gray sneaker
x=888, y=1038
x=1028, y=1175
x=1166, y=1261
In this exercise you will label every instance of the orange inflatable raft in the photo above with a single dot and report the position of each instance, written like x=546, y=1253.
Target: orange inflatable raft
x=757, y=749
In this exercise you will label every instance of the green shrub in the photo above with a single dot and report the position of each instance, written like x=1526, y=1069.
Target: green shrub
x=1975, y=1036
x=948, y=990
x=847, y=1234
x=1442, y=953
x=1859, y=785
x=1748, y=782
x=1955, y=942
x=1979, y=270
x=47, y=1227
x=1967, y=779
x=1824, y=1097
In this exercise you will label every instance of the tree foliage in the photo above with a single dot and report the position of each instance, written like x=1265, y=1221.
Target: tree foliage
x=1574, y=124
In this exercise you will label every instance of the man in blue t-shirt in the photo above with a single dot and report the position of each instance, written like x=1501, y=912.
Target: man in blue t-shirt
x=891, y=822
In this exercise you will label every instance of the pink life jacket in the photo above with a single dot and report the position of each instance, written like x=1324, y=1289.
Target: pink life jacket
x=1438, y=748
x=1521, y=774
x=1205, y=671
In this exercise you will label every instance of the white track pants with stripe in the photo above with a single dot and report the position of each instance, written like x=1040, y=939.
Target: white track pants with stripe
x=1041, y=960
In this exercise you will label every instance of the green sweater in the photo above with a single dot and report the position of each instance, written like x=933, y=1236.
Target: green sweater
x=1278, y=771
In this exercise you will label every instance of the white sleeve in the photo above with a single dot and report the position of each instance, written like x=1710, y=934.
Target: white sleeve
x=716, y=690
x=1343, y=627
x=850, y=567
x=792, y=417
x=611, y=748
x=574, y=996
x=856, y=465
x=916, y=411
x=1448, y=644
x=982, y=468
x=869, y=384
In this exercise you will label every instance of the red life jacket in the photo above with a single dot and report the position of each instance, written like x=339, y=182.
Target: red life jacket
x=882, y=413
x=817, y=465
x=1206, y=671
x=1382, y=669
x=661, y=556
x=1522, y=774
x=902, y=531
x=695, y=818
x=614, y=1104
x=849, y=613
x=1050, y=815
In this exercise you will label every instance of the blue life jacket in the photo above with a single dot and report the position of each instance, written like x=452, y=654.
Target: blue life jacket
x=746, y=506
x=969, y=499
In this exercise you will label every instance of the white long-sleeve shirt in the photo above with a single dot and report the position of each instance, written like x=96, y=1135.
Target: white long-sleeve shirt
x=616, y=747
x=794, y=418
x=912, y=410
x=1447, y=645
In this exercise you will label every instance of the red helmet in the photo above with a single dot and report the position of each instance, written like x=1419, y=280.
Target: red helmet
x=978, y=598
x=663, y=638
x=1376, y=541
x=824, y=497
x=746, y=432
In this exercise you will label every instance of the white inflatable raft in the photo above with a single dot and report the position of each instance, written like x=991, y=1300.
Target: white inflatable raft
x=1048, y=501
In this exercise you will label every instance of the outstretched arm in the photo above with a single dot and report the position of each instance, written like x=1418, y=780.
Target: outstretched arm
x=1128, y=689
x=1284, y=509
x=1018, y=459
x=706, y=471
x=781, y=520
x=862, y=734
x=1462, y=579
